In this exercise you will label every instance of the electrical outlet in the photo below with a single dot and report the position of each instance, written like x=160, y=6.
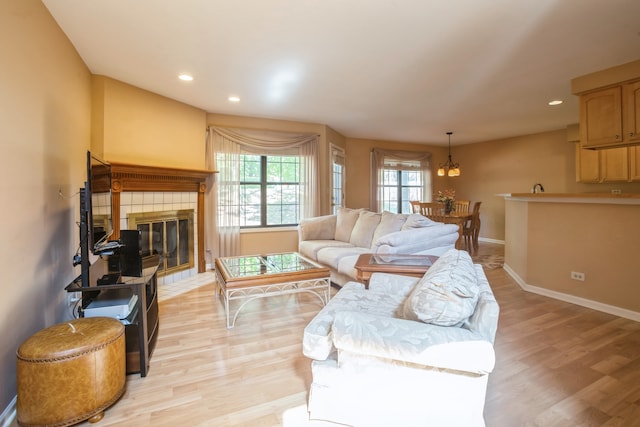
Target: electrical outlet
x=575, y=275
x=616, y=191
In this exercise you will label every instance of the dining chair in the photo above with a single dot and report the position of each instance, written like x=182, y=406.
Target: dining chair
x=461, y=206
x=415, y=206
x=429, y=209
x=471, y=229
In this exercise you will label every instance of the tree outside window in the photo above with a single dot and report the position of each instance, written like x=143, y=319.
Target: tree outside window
x=269, y=190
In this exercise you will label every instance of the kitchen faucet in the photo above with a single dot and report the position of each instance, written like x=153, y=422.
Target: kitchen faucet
x=535, y=187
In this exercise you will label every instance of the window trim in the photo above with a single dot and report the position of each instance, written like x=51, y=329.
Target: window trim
x=264, y=184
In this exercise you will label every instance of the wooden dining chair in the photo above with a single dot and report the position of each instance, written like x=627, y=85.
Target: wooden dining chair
x=415, y=206
x=471, y=229
x=429, y=209
x=461, y=206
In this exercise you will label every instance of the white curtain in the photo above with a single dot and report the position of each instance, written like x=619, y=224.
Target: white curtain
x=223, y=149
x=380, y=157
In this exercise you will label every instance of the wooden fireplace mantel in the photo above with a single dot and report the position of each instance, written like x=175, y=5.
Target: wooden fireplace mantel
x=128, y=177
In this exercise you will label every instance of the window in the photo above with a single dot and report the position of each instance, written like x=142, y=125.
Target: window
x=398, y=177
x=399, y=186
x=269, y=190
x=337, y=178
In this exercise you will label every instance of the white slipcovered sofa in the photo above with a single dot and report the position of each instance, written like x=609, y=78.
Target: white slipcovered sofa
x=338, y=240
x=407, y=351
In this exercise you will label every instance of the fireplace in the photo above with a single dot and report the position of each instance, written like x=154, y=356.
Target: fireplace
x=168, y=234
x=150, y=190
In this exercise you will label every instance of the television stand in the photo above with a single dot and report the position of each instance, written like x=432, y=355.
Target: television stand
x=141, y=327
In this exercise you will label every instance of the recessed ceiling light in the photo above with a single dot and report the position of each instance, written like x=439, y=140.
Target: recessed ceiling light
x=234, y=99
x=555, y=102
x=185, y=77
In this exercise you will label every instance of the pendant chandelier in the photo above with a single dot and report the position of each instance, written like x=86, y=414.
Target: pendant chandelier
x=449, y=168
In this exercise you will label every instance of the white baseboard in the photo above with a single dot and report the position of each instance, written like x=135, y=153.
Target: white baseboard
x=595, y=305
x=488, y=240
x=9, y=413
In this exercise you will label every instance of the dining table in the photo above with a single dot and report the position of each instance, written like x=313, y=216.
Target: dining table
x=459, y=218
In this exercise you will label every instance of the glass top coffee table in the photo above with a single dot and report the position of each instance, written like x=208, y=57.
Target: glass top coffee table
x=259, y=276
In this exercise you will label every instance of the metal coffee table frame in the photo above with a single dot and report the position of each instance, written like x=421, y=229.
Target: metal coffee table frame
x=315, y=279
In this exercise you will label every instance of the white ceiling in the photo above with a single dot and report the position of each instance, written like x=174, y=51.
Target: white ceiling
x=401, y=70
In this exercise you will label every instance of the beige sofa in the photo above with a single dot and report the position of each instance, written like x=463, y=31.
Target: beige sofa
x=338, y=240
x=407, y=351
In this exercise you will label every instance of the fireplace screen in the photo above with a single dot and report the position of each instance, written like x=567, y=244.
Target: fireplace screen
x=168, y=234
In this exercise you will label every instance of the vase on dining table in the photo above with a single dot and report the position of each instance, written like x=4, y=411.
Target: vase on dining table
x=448, y=206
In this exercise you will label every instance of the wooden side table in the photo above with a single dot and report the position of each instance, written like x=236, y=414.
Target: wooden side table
x=408, y=265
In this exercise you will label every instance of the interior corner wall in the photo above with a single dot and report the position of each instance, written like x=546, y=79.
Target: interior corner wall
x=136, y=126
x=358, y=166
x=45, y=132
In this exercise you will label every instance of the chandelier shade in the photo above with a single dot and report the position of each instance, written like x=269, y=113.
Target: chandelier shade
x=449, y=168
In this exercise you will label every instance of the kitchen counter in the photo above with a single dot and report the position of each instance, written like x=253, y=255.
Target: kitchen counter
x=580, y=248
x=600, y=198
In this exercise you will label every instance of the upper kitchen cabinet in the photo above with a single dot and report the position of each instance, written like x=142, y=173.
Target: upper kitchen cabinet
x=631, y=111
x=609, y=107
x=601, y=118
x=610, y=117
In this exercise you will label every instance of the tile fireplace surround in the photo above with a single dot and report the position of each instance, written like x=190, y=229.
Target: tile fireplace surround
x=136, y=188
x=132, y=202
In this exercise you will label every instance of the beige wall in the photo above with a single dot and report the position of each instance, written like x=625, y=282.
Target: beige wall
x=132, y=125
x=44, y=132
x=489, y=169
x=512, y=165
x=268, y=241
x=358, y=166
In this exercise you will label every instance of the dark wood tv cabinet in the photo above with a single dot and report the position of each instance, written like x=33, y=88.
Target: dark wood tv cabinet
x=141, y=326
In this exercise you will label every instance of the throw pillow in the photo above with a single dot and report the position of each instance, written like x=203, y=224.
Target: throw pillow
x=363, y=230
x=389, y=223
x=448, y=292
x=345, y=220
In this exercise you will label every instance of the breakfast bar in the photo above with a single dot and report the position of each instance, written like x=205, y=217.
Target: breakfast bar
x=579, y=247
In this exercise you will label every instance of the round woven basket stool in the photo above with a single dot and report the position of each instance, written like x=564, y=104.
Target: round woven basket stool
x=70, y=372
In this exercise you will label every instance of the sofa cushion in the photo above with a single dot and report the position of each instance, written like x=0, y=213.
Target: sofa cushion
x=345, y=220
x=389, y=223
x=346, y=266
x=310, y=248
x=417, y=221
x=362, y=233
x=317, y=228
x=331, y=256
x=447, y=293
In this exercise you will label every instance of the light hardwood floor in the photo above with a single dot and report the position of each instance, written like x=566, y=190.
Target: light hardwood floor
x=557, y=364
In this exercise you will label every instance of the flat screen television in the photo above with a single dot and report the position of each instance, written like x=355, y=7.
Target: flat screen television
x=95, y=215
x=100, y=212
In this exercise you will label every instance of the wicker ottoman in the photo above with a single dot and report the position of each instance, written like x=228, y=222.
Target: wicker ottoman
x=70, y=372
